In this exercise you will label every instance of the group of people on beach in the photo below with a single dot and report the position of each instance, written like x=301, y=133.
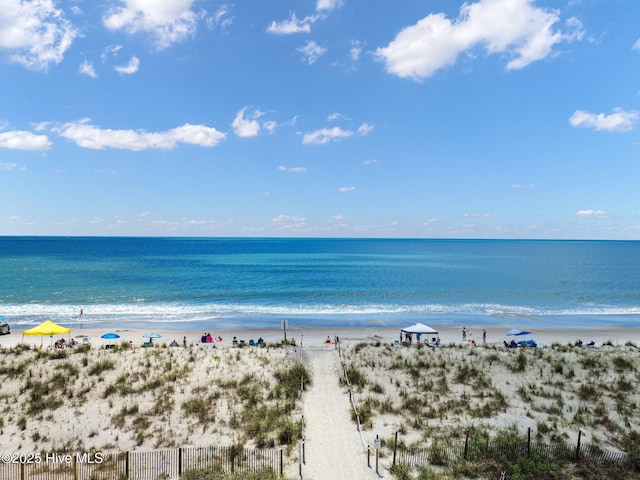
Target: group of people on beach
x=207, y=338
x=467, y=333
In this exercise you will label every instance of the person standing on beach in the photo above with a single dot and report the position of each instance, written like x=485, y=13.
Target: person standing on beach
x=484, y=336
x=464, y=333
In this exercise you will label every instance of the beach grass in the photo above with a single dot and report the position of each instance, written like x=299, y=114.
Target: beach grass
x=150, y=398
x=433, y=396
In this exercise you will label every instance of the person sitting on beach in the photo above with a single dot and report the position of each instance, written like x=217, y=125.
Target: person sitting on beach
x=591, y=344
x=328, y=340
x=579, y=343
x=219, y=339
x=513, y=344
x=203, y=339
x=209, y=338
x=260, y=341
x=173, y=344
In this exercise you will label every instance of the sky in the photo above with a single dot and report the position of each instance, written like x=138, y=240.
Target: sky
x=515, y=119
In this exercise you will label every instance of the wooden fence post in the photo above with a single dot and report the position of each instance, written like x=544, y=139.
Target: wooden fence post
x=377, y=450
x=578, y=446
x=126, y=464
x=304, y=459
x=529, y=442
x=180, y=461
x=281, y=462
x=466, y=445
x=395, y=449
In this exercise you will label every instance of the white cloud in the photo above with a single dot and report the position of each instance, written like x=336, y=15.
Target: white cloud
x=8, y=166
x=246, y=127
x=370, y=162
x=312, y=51
x=89, y=136
x=220, y=18
x=130, y=68
x=289, y=221
x=295, y=25
x=110, y=50
x=282, y=168
x=325, y=135
x=591, y=213
x=636, y=46
x=168, y=22
x=22, y=140
x=514, y=28
x=619, y=121
x=86, y=68
x=291, y=25
x=270, y=126
x=35, y=33
x=328, y=5
x=356, y=50
x=338, y=218
x=519, y=185
x=346, y=189
x=365, y=129
x=477, y=215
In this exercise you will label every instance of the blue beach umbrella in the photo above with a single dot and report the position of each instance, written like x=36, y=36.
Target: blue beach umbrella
x=110, y=335
x=152, y=335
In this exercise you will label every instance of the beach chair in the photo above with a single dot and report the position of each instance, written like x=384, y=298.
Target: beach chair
x=252, y=343
x=85, y=340
x=147, y=344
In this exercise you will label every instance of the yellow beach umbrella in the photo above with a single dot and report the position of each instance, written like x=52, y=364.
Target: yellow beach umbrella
x=47, y=328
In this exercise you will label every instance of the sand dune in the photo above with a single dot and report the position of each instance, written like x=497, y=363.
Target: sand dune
x=148, y=398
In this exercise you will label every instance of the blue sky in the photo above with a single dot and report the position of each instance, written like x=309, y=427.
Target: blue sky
x=327, y=118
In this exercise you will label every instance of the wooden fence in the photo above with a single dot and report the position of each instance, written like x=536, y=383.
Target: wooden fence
x=443, y=455
x=165, y=464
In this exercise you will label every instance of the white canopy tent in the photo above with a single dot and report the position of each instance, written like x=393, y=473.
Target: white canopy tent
x=419, y=328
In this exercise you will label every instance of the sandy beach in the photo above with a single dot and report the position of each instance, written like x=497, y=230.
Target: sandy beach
x=148, y=398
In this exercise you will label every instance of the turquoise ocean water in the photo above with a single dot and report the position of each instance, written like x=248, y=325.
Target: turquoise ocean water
x=255, y=282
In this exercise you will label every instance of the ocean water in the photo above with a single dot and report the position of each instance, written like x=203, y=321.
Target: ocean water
x=257, y=282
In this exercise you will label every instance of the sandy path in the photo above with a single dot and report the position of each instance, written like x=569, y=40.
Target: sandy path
x=333, y=447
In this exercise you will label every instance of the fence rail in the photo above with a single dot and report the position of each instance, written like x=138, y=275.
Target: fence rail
x=443, y=455
x=167, y=464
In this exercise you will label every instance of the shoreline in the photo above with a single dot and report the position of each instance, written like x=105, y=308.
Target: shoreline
x=316, y=336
